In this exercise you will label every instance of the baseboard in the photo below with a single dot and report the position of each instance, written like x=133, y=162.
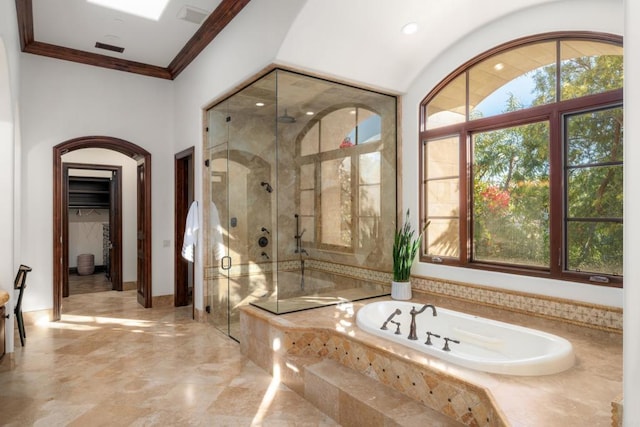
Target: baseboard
x=33, y=317
x=129, y=286
x=162, y=301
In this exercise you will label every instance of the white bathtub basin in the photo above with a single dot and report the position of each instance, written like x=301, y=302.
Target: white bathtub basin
x=485, y=344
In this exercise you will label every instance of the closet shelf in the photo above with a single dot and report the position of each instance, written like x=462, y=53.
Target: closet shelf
x=89, y=192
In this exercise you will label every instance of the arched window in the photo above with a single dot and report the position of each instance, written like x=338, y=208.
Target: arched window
x=522, y=160
x=340, y=178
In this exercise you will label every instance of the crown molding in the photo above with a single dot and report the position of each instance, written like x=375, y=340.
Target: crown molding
x=212, y=26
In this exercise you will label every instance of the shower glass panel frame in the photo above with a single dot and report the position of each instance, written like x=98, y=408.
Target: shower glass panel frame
x=300, y=196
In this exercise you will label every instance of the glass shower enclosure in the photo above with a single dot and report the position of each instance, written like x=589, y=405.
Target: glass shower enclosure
x=299, y=196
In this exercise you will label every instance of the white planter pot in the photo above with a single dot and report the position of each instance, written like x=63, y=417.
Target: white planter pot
x=401, y=290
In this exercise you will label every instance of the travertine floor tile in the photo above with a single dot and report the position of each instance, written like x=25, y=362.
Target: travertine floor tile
x=110, y=362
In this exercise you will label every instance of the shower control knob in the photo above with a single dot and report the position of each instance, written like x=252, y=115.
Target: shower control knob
x=263, y=241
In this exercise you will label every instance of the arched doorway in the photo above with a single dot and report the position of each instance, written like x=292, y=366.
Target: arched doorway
x=60, y=262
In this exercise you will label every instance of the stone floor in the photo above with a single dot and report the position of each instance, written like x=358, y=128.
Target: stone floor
x=96, y=282
x=110, y=362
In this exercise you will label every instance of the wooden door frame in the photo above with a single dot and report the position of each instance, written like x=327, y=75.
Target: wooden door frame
x=184, y=180
x=116, y=226
x=124, y=147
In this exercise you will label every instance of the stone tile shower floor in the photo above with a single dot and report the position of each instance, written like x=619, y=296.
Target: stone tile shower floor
x=110, y=362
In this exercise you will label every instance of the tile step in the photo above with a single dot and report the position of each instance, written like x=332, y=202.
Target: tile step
x=353, y=399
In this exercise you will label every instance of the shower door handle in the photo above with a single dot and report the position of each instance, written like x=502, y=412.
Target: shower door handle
x=222, y=262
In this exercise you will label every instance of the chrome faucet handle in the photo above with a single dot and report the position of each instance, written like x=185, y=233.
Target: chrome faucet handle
x=446, y=343
x=397, y=332
x=429, y=335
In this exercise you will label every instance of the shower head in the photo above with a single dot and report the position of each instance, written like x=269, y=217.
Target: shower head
x=286, y=118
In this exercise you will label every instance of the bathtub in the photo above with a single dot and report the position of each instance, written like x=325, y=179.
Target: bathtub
x=484, y=344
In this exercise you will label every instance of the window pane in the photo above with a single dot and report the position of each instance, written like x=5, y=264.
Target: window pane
x=307, y=176
x=307, y=202
x=595, y=137
x=370, y=200
x=335, y=127
x=511, y=195
x=589, y=67
x=595, y=192
x=308, y=224
x=594, y=247
x=513, y=80
x=442, y=237
x=449, y=105
x=336, y=202
x=444, y=197
x=369, y=127
x=370, y=168
x=442, y=157
x=442, y=191
x=309, y=143
x=369, y=233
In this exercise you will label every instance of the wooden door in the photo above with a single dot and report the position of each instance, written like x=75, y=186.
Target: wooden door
x=184, y=196
x=115, y=231
x=143, y=238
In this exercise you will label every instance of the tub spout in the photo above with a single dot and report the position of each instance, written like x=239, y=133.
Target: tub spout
x=414, y=313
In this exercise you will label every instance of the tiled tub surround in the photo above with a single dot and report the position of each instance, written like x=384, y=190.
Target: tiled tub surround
x=579, y=396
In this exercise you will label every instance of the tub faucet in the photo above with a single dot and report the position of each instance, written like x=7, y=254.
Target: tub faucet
x=395, y=313
x=414, y=313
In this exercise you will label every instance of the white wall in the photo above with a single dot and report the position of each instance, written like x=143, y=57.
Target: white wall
x=9, y=152
x=62, y=100
x=99, y=156
x=595, y=15
x=241, y=50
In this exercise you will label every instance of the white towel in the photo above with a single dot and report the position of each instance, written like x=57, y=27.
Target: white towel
x=217, y=241
x=191, y=233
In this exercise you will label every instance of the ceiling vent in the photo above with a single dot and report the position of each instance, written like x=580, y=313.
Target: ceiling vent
x=193, y=14
x=110, y=47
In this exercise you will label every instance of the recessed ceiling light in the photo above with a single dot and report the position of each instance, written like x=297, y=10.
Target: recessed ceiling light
x=410, y=28
x=499, y=66
x=259, y=104
x=145, y=9
x=310, y=113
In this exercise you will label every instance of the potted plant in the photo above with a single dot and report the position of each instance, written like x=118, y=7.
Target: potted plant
x=405, y=248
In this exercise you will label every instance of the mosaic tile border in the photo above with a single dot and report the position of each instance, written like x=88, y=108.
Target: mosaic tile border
x=583, y=314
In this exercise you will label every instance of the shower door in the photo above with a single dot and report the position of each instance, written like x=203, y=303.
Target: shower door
x=242, y=206
x=215, y=212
